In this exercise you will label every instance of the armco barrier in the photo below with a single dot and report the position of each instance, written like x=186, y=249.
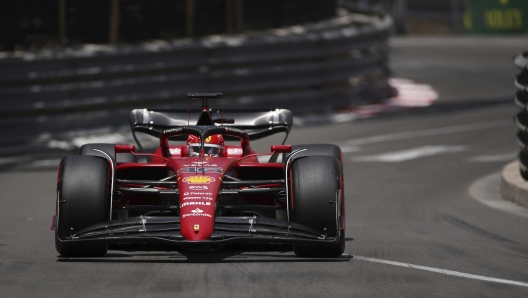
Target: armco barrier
x=521, y=100
x=52, y=95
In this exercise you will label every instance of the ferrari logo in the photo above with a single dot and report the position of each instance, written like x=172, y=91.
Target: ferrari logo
x=208, y=139
x=198, y=180
x=196, y=228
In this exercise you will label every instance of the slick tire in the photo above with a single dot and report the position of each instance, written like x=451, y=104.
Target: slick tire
x=318, y=149
x=316, y=183
x=87, y=149
x=312, y=149
x=83, y=198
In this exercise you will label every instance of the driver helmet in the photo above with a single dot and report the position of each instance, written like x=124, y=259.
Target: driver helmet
x=213, y=145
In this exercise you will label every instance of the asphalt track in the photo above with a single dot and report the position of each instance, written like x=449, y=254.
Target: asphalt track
x=412, y=227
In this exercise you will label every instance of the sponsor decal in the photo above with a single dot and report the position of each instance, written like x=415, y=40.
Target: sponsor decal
x=172, y=130
x=195, y=204
x=234, y=151
x=176, y=151
x=198, y=179
x=200, y=163
x=235, y=130
x=193, y=193
x=198, y=198
x=200, y=170
x=198, y=187
x=197, y=212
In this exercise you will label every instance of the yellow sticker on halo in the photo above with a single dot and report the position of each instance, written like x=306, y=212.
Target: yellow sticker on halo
x=208, y=139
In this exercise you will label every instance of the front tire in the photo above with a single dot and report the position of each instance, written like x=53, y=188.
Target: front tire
x=87, y=149
x=83, y=197
x=318, y=149
x=316, y=187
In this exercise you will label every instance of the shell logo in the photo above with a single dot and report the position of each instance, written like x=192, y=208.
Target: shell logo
x=198, y=180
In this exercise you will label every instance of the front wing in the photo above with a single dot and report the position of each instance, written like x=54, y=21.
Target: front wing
x=245, y=229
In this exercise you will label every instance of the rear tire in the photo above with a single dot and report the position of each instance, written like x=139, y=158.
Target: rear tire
x=83, y=197
x=87, y=149
x=316, y=200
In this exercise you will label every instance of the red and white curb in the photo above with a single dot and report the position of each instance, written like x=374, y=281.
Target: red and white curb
x=410, y=95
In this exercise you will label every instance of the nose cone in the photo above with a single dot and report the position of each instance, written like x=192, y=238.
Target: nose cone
x=198, y=193
x=199, y=180
x=197, y=220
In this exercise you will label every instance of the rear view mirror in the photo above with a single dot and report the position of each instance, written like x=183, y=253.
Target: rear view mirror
x=281, y=148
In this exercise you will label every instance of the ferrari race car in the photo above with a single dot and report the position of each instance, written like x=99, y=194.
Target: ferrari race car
x=202, y=194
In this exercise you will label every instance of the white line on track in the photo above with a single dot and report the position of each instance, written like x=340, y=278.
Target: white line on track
x=444, y=271
x=348, y=149
x=428, y=132
x=414, y=153
x=494, y=158
x=503, y=42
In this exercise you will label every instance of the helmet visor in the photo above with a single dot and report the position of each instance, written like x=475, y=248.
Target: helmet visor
x=209, y=149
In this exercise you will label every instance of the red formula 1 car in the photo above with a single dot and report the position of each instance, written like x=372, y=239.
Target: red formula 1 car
x=202, y=193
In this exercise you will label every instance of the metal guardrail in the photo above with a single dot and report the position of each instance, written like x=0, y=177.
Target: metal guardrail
x=49, y=96
x=521, y=119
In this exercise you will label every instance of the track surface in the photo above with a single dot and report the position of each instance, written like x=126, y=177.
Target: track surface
x=407, y=179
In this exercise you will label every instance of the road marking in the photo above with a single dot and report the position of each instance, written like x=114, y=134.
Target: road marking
x=348, y=149
x=428, y=132
x=11, y=160
x=444, y=271
x=404, y=155
x=494, y=158
x=459, y=42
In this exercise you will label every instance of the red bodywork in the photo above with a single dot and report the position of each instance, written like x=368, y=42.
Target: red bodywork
x=180, y=199
x=199, y=180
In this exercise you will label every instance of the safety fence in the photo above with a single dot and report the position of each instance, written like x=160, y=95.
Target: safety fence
x=521, y=100
x=51, y=96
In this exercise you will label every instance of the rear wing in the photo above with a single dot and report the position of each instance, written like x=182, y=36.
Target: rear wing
x=256, y=123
